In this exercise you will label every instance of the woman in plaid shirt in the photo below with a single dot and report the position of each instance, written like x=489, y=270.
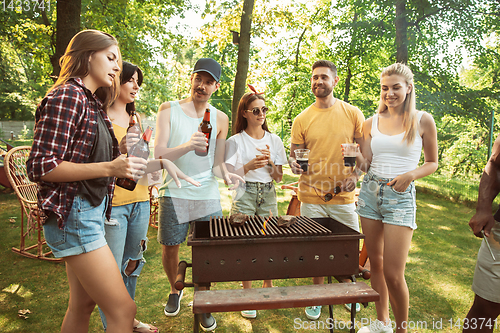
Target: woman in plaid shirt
x=74, y=159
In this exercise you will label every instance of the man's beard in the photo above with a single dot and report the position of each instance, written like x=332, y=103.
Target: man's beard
x=326, y=91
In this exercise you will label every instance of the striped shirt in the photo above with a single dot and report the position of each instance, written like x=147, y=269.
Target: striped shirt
x=65, y=130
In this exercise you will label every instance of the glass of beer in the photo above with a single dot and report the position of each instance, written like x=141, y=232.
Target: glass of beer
x=302, y=157
x=260, y=156
x=350, y=150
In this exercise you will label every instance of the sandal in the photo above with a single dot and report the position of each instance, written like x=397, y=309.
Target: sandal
x=142, y=328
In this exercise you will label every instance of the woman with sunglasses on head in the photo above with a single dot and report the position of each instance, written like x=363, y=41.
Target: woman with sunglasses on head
x=391, y=147
x=75, y=158
x=257, y=155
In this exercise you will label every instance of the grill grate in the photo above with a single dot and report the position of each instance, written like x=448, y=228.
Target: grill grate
x=221, y=228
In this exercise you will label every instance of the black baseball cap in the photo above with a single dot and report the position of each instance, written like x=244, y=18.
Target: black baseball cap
x=210, y=66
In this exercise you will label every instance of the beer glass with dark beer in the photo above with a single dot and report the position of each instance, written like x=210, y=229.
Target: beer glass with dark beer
x=302, y=157
x=349, y=151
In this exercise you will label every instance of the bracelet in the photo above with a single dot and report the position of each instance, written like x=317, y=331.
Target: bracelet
x=161, y=164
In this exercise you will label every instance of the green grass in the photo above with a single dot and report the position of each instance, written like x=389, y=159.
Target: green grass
x=15, y=143
x=456, y=190
x=439, y=274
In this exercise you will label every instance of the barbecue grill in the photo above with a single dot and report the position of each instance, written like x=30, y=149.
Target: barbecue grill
x=261, y=250
x=308, y=248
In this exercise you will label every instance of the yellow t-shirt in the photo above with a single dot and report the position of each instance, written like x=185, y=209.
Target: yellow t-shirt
x=323, y=131
x=122, y=196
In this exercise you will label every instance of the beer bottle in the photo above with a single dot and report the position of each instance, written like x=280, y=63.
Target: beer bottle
x=140, y=149
x=133, y=125
x=205, y=128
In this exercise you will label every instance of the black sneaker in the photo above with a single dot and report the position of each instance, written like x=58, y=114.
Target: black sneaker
x=173, y=305
x=207, y=322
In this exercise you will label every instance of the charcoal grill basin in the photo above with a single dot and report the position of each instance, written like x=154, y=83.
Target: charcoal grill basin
x=261, y=258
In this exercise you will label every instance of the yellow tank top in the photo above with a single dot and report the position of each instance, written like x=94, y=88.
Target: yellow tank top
x=122, y=196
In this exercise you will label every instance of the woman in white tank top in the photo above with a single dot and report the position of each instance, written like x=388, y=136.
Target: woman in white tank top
x=391, y=147
x=257, y=155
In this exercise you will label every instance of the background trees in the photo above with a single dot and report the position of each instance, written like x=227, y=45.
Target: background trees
x=451, y=45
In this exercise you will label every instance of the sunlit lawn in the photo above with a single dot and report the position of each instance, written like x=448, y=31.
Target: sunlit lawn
x=439, y=273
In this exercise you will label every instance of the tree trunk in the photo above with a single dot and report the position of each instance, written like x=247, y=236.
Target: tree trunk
x=401, y=32
x=240, y=79
x=291, y=102
x=68, y=24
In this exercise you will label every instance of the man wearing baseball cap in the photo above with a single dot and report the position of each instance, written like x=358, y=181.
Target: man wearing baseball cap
x=210, y=66
x=177, y=136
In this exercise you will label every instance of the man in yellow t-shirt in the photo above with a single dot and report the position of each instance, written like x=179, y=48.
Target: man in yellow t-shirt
x=326, y=189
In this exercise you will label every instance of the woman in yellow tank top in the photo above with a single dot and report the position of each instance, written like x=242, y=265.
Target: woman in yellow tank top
x=126, y=230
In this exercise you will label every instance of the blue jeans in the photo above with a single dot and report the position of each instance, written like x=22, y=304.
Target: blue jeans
x=126, y=234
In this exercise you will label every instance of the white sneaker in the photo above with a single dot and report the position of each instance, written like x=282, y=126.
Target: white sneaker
x=376, y=327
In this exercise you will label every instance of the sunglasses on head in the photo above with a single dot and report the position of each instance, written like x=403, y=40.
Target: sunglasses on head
x=256, y=110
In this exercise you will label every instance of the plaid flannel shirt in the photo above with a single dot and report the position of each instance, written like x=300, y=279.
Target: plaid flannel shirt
x=65, y=130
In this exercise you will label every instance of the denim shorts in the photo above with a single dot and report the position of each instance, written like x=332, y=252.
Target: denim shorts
x=83, y=231
x=378, y=201
x=253, y=198
x=173, y=230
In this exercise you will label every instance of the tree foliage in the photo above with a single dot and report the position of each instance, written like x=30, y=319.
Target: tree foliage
x=29, y=38
x=25, y=67
x=452, y=47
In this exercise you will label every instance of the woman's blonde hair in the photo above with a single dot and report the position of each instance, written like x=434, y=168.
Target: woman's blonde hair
x=409, y=109
x=75, y=61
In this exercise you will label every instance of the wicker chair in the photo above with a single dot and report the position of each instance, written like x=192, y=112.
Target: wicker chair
x=31, y=216
x=153, y=204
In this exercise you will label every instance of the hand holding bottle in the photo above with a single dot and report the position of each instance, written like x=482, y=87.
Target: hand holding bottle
x=198, y=141
x=141, y=150
x=205, y=129
x=128, y=167
x=133, y=134
x=128, y=141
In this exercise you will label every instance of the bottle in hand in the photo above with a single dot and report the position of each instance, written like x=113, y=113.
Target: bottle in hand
x=140, y=149
x=206, y=129
x=133, y=125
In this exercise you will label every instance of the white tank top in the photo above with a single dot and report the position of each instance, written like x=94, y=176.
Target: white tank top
x=391, y=155
x=197, y=167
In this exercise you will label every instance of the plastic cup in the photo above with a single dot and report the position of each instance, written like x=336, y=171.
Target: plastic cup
x=350, y=150
x=302, y=157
